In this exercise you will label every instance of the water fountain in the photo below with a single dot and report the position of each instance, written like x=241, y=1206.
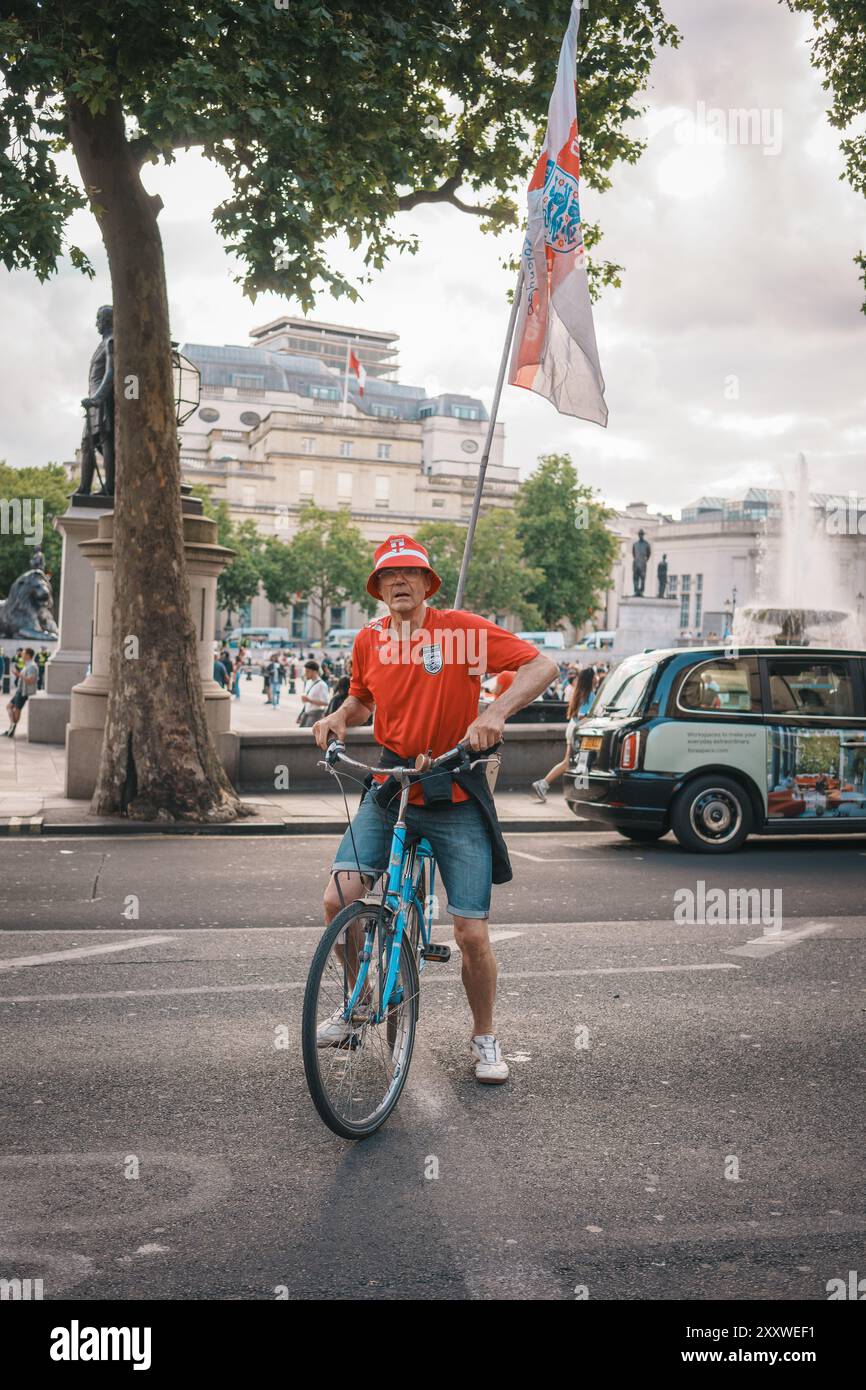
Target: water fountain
x=801, y=599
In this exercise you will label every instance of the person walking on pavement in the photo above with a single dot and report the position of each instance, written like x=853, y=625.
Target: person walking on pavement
x=27, y=685
x=316, y=696
x=275, y=681
x=578, y=705
x=220, y=674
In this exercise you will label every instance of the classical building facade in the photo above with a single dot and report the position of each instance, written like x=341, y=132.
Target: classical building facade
x=714, y=553
x=282, y=425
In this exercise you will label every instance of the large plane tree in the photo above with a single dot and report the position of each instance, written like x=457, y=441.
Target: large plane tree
x=329, y=120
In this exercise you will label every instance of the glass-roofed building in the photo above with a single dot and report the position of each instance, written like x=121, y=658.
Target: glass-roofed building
x=277, y=429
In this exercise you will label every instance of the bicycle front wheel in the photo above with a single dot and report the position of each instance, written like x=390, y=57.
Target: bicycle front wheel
x=357, y=1067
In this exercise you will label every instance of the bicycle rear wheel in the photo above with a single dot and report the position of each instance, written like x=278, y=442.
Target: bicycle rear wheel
x=355, y=1080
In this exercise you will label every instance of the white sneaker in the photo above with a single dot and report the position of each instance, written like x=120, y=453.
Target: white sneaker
x=333, y=1031
x=489, y=1066
x=541, y=789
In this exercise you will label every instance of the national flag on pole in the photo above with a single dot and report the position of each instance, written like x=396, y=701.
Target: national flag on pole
x=555, y=351
x=360, y=371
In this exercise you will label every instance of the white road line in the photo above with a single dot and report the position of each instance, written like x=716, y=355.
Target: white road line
x=858, y=920
x=774, y=941
x=613, y=970
x=569, y=859
x=51, y=957
x=494, y=936
x=282, y=986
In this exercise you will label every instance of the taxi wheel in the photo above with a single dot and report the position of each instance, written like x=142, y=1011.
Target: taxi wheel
x=712, y=815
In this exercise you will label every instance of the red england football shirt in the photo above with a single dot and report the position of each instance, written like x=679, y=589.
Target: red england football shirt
x=425, y=689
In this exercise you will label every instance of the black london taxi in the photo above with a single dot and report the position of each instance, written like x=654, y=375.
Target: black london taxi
x=718, y=743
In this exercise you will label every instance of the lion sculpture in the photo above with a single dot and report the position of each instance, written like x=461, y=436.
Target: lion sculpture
x=27, y=612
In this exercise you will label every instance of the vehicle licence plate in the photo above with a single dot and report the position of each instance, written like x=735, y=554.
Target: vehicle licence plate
x=590, y=744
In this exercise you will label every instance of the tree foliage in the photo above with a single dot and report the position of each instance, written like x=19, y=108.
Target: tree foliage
x=49, y=487
x=239, y=582
x=562, y=528
x=327, y=120
x=839, y=54
x=329, y=561
x=499, y=576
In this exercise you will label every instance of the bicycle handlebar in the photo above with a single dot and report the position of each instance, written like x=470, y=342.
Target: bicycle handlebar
x=458, y=756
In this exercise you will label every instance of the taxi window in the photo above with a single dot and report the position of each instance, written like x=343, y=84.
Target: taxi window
x=624, y=687
x=823, y=688
x=722, y=686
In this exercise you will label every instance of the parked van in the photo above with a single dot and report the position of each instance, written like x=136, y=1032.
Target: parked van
x=716, y=745
x=551, y=641
x=340, y=636
x=596, y=642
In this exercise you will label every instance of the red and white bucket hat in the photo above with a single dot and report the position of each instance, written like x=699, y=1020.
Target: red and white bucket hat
x=401, y=552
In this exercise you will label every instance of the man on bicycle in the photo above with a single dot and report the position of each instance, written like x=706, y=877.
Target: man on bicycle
x=420, y=670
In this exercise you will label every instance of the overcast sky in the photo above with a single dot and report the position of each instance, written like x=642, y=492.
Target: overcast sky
x=735, y=341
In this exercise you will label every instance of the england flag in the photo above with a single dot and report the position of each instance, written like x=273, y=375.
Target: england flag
x=554, y=350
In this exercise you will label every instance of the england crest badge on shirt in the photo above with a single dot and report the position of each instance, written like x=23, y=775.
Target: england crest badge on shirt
x=432, y=655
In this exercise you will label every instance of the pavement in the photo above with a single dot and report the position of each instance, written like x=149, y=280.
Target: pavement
x=684, y=1119
x=32, y=800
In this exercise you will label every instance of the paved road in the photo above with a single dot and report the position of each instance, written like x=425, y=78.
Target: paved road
x=159, y=1143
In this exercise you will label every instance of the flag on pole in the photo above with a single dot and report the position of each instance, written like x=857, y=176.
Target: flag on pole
x=554, y=350
x=360, y=371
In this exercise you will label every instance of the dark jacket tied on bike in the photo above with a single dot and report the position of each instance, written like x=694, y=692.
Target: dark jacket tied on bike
x=436, y=788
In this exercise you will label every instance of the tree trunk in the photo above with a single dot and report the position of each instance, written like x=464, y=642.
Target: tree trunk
x=158, y=761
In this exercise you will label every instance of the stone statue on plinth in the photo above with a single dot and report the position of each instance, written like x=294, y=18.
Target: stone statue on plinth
x=640, y=551
x=662, y=575
x=28, y=609
x=99, y=405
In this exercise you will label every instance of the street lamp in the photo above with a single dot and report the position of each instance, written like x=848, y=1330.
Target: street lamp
x=186, y=380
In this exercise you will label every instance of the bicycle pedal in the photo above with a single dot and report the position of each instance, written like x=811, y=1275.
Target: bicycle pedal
x=434, y=952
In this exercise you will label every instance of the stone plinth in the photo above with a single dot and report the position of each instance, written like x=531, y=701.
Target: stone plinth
x=646, y=622
x=48, y=712
x=205, y=560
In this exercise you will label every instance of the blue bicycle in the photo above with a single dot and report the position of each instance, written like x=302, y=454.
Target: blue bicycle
x=362, y=1000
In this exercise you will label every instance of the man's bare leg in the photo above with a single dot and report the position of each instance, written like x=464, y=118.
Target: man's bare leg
x=353, y=887
x=479, y=970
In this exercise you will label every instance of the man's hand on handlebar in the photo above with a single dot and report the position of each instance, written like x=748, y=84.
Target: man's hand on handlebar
x=485, y=731
x=332, y=726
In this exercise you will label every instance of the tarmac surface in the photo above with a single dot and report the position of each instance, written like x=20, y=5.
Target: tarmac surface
x=684, y=1118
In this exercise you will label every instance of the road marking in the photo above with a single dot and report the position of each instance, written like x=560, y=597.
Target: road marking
x=16, y=824
x=50, y=957
x=774, y=941
x=569, y=859
x=496, y=1251
x=494, y=936
x=209, y=1183
x=612, y=970
x=282, y=986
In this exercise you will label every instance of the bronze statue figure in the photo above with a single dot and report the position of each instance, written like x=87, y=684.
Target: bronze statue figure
x=640, y=551
x=99, y=405
x=662, y=575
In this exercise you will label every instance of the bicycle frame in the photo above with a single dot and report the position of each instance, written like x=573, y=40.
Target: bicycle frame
x=399, y=894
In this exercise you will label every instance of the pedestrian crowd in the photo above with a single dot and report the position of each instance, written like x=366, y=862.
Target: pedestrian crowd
x=323, y=684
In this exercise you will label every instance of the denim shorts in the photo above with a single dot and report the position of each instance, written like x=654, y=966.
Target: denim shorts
x=457, y=834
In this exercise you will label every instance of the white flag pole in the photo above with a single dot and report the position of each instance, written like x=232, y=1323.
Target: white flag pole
x=488, y=443
x=344, y=410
